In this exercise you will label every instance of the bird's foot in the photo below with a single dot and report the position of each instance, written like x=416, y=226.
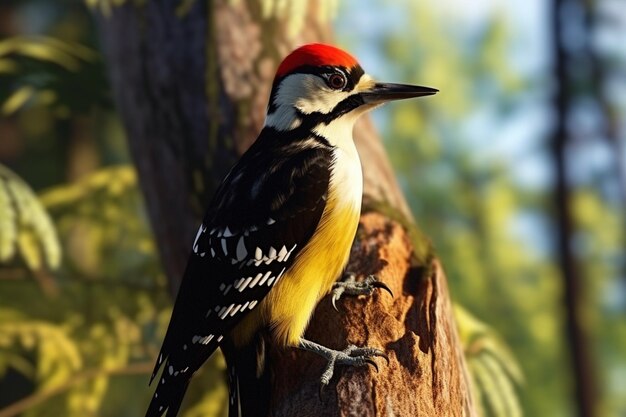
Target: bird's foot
x=350, y=356
x=350, y=286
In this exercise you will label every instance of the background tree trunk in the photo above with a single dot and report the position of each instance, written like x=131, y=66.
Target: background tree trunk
x=582, y=367
x=191, y=81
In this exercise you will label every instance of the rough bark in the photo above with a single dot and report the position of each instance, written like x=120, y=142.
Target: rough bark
x=425, y=375
x=192, y=87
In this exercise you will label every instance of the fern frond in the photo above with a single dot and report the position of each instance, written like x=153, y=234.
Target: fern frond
x=25, y=227
x=494, y=370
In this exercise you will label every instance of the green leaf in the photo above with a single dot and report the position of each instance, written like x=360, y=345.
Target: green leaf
x=494, y=370
x=58, y=355
x=42, y=70
x=8, y=225
x=17, y=99
x=26, y=227
x=65, y=54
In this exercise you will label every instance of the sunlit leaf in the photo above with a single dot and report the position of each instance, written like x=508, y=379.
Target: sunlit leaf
x=58, y=355
x=48, y=49
x=493, y=367
x=27, y=228
x=29, y=248
x=17, y=99
x=46, y=71
x=8, y=226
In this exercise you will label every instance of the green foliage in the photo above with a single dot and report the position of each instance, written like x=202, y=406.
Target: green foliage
x=88, y=214
x=85, y=333
x=59, y=355
x=493, y=367
x=93, y=325
x=26, y=231
x=45, y=71
x=103, y=324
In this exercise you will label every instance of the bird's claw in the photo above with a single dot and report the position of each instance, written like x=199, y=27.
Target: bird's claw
x=350, y=356
x=380, y=284
x=337, y=291
x=323, y=384
x=368, y=353
x=371, y=362
x=351, y=286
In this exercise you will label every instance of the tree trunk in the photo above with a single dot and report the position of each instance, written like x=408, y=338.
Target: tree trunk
x=191, y=81
x=425, y=375
x=584, y=386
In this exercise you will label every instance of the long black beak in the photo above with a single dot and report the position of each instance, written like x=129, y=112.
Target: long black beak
x=383, y=92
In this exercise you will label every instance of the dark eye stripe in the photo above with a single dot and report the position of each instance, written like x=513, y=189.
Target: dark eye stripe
x=353, y=75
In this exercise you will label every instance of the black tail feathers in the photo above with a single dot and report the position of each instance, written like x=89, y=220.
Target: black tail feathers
x=248, y=380
x=169, y=392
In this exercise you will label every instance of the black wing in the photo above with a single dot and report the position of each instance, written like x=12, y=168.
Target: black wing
x=262, y=215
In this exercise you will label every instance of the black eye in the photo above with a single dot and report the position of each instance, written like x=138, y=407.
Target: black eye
x=337, y=81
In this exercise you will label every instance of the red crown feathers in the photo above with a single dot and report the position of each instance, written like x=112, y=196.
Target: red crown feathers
x=315, y=54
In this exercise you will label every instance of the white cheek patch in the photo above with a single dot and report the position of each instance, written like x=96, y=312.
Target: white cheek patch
x=317, y=97
x=283, y=118
x=308, y=94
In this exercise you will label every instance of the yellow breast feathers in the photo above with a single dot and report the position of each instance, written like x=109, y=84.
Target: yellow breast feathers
x=289, y=305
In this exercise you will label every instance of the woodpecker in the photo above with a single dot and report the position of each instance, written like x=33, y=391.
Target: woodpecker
x=277, y=233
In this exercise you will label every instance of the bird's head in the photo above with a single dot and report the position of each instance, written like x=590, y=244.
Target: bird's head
x=318, y=85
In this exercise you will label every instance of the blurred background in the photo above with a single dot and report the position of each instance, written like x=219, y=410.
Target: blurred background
x=516, y=171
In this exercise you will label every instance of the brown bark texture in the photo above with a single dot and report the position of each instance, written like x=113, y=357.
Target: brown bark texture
x=425, y=375
x=191, y=86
